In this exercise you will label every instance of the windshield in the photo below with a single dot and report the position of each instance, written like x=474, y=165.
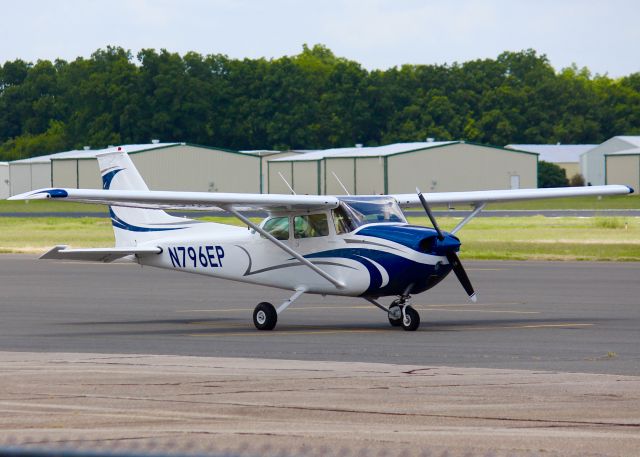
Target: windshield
x=356, y=211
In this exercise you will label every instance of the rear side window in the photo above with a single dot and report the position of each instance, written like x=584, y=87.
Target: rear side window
x=278, y=227
x=310, y=226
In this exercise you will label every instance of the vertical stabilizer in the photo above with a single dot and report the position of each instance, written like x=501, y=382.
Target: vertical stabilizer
x=133, y=226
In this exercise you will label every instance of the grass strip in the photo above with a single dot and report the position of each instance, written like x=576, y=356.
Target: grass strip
x=490, y=238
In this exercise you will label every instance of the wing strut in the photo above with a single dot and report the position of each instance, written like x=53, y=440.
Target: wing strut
x=287, y=249
x=466, y=220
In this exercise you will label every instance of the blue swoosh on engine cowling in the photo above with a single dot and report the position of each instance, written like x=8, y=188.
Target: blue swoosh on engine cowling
x=119, y=223
x=402, y=271
x=406, y=235
x=108, y=177
x=421, y=239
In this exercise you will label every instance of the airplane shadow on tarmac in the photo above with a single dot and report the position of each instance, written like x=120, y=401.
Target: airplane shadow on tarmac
x=228, y=325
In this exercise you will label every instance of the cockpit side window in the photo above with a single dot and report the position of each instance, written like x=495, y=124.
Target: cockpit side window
x=311, y=225
x=278, y=227
x=367, y=210
x=342, y=222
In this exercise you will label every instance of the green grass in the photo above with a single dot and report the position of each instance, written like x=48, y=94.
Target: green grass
x=547, y=238
x=519, y=238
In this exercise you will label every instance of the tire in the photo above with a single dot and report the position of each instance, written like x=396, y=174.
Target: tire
x=265, y=316
x=411, y=321
x=395, y=321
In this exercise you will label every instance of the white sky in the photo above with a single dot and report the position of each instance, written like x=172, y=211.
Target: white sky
x=603, y=35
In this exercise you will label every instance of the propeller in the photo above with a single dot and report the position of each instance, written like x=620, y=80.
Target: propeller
x=452, y=257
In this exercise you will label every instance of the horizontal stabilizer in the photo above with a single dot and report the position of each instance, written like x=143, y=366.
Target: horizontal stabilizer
x=97, y=254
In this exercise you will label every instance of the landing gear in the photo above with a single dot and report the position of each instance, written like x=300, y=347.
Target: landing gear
x=395, y=315
x=400, y=313
x=265, y=316
x=411, y=319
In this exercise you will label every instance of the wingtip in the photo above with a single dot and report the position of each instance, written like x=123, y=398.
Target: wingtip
x=31, y=195
x=473, y=298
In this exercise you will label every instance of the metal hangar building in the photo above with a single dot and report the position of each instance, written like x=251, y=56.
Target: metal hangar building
x=164, y=166
x=566, y=156
x=398, y=168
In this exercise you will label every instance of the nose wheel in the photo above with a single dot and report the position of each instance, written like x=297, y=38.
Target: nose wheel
x=410, y=319
x=395, y=315
x=400, y=313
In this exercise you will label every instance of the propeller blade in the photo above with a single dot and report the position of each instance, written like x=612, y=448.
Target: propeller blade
x=458, y=269
x=426, y=207
x=452, y=257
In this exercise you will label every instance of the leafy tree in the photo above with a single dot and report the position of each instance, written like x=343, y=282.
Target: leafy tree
x=314, y=99
x=551, y=175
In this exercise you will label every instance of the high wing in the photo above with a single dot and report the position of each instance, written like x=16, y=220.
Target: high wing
x=276, y=202
x=480, y=197
x=204, y=201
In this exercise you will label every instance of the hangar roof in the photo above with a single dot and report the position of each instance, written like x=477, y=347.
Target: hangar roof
x=625, y=152
x=262, y=152
x=373, y=151
x=378, y=151
x=91, y=153
x=555, y=153
x=634, y=140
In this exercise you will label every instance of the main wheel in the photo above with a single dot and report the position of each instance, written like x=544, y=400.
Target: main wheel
x=265, y=316
x=411, y=320
x=395, y=315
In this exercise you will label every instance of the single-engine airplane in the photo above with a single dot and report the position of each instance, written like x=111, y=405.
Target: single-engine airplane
x=359, y=246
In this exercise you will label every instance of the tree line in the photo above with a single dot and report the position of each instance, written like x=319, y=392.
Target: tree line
x=307, y=101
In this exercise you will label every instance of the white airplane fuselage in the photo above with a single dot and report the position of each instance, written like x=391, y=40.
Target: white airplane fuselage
x=367, y=264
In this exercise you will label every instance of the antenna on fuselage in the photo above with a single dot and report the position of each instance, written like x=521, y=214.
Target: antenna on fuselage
x=285, y=181
x=340, y=182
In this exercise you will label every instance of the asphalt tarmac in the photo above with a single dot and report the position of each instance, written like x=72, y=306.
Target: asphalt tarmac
x=558, y=316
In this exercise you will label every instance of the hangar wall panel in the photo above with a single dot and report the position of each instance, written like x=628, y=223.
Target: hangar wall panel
x=305, y=177
x=344, y=168
x=5, y=183
x=192, y=168
x=460, y=167
x=20, y=178
x=276, y=184
x=370, y=175
x=65, y=173
x=624, y=170
x=570, y=168
x=40, y=175
x=592, y=161
x=265, y=168
x=89, y=174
